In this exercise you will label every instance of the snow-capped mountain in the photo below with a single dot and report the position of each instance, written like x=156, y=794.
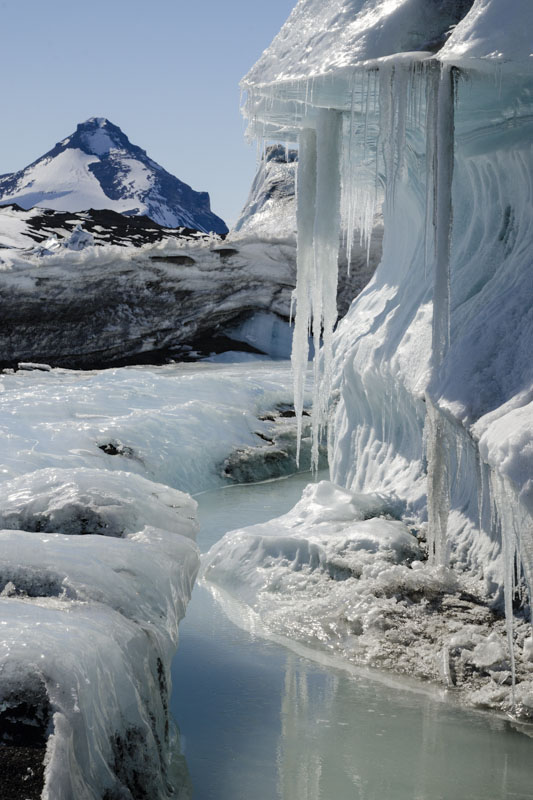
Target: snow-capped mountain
x=98, y=167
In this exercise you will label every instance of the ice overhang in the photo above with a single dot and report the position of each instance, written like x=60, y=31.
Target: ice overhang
x=323, y=52
x=322, y=38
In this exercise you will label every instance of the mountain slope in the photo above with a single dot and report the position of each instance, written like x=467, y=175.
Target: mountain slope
x=98, y=167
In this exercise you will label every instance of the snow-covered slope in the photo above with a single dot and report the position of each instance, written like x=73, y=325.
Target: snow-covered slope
x=98, y=167
x=39, y=230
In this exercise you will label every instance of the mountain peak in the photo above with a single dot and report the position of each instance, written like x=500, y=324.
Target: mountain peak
x=98, y=136
x=99, y=122
x=98, y=167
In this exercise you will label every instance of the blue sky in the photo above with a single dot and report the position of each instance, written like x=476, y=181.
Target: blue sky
x=165, y=71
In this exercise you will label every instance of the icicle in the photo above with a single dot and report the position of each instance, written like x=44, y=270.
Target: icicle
x=440, y=154
x=291, y=310
x=438, y=484
x=306, y=205
x=443, y=173
x=326, y=235
x=509, y=557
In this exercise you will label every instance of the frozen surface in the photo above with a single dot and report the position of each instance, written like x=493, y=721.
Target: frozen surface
x=322, y=38
x=496, y=31
x=97, y=558
x=338, y=574
x=92, y=501
x=174, y=425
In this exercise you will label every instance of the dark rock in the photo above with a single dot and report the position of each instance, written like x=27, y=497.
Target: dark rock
x=185, y=261
x=22, y=772
x=117, y=449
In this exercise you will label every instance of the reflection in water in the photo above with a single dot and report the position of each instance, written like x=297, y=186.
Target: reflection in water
x=259, y=721
x=299, y=769
x=346, y=737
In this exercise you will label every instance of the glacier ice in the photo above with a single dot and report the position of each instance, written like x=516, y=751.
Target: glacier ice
x=98, y=557
x=431, y=368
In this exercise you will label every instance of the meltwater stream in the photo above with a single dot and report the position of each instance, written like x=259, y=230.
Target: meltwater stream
x=261, y=721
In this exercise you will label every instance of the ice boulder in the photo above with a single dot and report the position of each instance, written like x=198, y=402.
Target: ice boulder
x=93, y=501
x=91, y=592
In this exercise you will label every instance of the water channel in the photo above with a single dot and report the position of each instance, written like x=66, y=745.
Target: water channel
x=261, y=721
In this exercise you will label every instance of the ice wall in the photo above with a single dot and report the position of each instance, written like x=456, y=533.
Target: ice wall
x=431, y=372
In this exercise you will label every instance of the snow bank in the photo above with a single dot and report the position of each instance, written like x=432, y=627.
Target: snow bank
x=91, y=501
x=496, y=31
x=322, y=38
x=91, y=624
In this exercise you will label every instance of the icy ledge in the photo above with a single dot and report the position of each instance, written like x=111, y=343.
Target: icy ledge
x=338, y=573
x=89, y=626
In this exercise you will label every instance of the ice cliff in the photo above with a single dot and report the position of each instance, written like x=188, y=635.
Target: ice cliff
x=421, y=109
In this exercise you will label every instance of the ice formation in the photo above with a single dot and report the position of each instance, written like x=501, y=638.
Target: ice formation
x=110, y=304
x=98, y=559
x=422, y=109
x=89, y=626
x=342, y=575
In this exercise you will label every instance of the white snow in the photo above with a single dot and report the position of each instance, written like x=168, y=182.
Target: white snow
x=320, y=38
x=496, y=31
x=79, y=188
x=99, y=142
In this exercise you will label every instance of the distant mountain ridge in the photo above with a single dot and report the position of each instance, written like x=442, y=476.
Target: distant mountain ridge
x=98, y=167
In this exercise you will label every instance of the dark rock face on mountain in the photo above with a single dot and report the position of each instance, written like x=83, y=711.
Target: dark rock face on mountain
x=98, y=167
x=26, y=229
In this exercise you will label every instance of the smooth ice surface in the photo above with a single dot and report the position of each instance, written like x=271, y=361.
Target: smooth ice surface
x=299, y=729
x=174, y=425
